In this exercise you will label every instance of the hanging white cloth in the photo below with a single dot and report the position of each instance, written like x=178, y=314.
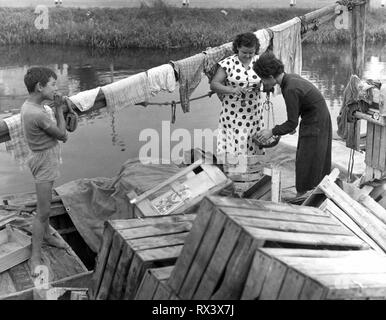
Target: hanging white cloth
x=161, y=78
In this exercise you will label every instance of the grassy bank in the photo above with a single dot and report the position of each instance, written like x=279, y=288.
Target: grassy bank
x=159, y=26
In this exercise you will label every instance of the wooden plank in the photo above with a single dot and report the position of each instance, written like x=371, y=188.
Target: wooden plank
x=162, y=292
x=192, y=243
x=154, y=230
x=279, y=216
x=273, y=281
x=312, y=290
x=259, y=269
x=144, y=260
x=76, y=281
x=306, y=238
x=278, y=252
x=190, y=206
x=167, y=182
x=201, y=261
x=118, y=286
x=382, y=150
x=111, y=266
x=374, y=207
x=371, y=225
x=149, y=221
x=147, y=287
x=158, y=242
x=276, y=185
x=292, y=285
x=21, y=277
x=376, y=147
x=291, y=226
x=15, y=249
x=218, y=262
x=317, y=268
x=357, y=37
x=7, y=285
x=236, y=271
x=354, y=285
x=369, y=143
x=101, y=260
x=134, y=277
x=264, y=205
x=331, y=207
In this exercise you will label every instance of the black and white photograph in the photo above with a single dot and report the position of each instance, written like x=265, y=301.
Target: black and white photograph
x=184, y=151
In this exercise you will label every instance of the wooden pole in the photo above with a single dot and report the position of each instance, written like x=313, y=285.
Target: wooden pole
x=358, y=21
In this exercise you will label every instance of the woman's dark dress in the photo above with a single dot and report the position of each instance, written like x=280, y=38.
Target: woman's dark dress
x=313, y=155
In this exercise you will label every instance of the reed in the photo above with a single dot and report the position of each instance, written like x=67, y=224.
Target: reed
x=159, y=26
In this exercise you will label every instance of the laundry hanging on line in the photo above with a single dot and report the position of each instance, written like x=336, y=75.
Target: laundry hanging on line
x=17, y=146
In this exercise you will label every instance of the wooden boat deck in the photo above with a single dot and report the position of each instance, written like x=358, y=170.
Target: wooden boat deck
x=61, y=263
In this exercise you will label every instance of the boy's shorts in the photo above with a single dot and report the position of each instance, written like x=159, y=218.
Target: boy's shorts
x=44, y=165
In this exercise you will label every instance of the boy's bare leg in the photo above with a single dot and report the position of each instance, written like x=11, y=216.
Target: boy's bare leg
x=44, y=196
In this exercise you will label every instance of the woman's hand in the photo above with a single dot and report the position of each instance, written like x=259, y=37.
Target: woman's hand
x=238, y=91
x=264, y=135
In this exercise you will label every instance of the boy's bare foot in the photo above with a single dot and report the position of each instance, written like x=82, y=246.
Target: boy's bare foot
x=34, y=262
x=55, y=241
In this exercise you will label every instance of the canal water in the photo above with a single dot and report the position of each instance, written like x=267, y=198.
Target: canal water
x=103, y=141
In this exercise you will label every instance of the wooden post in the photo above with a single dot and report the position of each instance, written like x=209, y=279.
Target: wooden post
x=358, y=20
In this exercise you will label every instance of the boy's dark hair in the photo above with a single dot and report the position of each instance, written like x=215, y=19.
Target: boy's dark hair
x=268, y=65
x=248, y=40
x=37, y=75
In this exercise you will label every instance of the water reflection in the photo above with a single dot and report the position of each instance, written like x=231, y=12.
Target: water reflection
x=104, y=141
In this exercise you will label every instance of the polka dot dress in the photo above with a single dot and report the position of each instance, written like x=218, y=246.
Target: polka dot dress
x=241, y=117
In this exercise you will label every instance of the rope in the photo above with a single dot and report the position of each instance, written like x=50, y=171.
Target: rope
x=146, y=103
x=173, y=104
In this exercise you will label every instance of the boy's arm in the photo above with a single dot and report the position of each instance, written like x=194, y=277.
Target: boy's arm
x=58, y=131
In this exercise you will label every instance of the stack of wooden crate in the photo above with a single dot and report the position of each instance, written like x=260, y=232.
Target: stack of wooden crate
x=218, y=252
x=292, y=274
x=131, y=247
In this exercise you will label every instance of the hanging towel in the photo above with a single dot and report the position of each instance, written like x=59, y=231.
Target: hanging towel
x=287, y=45
x=264, y=36
x=189, y=72
x=127, y=92
x=356, y=90
x=213, y=56
x=161, y=78
x=17, y=145
x=85, y=100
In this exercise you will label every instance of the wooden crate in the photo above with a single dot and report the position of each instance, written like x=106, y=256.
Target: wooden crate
x=15, y=248
x=181, y=193
x=244, y=171
x=292, y=274
x=130, y=247
x=154, y=286
x=218, y=251
x=366, y=213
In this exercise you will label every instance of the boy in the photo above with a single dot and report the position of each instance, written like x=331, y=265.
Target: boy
x=42, y=135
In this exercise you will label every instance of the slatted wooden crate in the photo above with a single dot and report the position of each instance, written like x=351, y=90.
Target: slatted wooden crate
x=218, y=251
x=244, y=171
x=130, y=247
x=181, y=193
x=292, y=274
x=362, y=210
x=154, y=286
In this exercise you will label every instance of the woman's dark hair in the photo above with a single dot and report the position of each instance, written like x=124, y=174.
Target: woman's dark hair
x=37, y=75
x=248, y=40
x=268, y=65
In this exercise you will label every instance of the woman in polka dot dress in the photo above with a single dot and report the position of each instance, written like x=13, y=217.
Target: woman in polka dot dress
x=242, y=112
